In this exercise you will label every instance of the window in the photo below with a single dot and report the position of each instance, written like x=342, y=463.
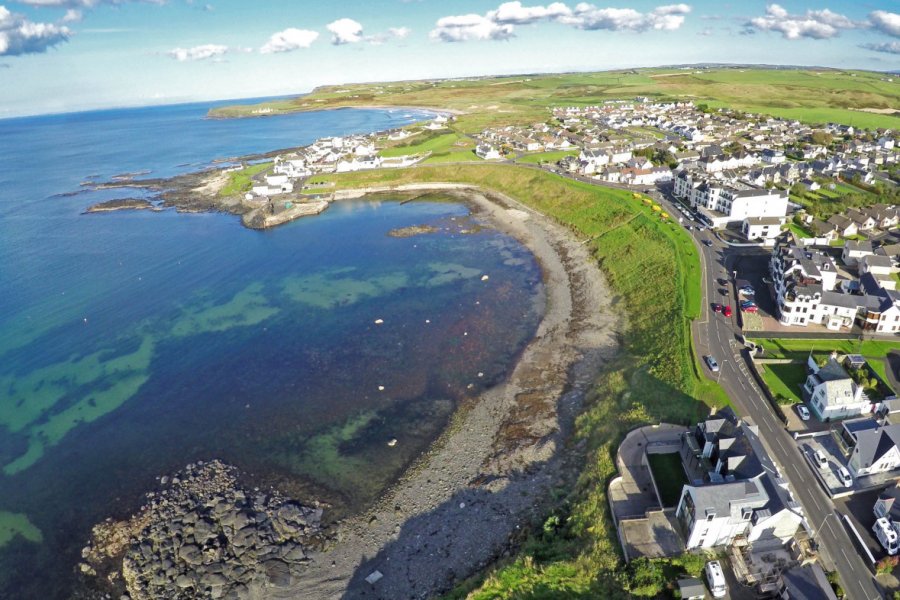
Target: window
x=710, y=516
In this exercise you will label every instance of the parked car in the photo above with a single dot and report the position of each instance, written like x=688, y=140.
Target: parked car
x=746, y=303
x=711, y=362
x=707, y=243
x=723, y=291
x=726, y=311
x=717, y=307
x=752, y=308
x=845, y=477
x=803, y=412
x=722, y=281
x=820, y=459
x=747, y=291
x=716, y=579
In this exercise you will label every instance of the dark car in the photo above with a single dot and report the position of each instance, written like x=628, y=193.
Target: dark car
x=723, y=291
x=708, y=243
x=717, y=308
x=722, y=281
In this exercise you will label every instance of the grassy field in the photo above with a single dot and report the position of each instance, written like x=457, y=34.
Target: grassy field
x=809, y=96
x=546, y=157
x=435, y=142
x=825, y=202
x=240, y=181
x=669, y=477
x=653, y=267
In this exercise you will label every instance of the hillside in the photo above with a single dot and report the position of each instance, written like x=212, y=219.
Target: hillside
x=858, y=98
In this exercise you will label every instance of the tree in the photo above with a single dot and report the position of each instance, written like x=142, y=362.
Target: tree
x=822, y=138
x=799, y=190
x=647, y=578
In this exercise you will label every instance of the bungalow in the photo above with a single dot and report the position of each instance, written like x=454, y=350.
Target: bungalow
x=873, y=446
x=863, y=221
x=832, y=394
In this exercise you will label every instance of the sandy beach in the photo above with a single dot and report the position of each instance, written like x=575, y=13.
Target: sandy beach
x=459, y=507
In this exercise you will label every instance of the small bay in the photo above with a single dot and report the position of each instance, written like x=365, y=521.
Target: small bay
x=132, y=343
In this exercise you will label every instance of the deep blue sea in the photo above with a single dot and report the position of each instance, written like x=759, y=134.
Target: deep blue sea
x=133, y=343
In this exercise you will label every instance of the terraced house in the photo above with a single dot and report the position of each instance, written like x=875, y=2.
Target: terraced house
x=723, y=202
x=811, y=288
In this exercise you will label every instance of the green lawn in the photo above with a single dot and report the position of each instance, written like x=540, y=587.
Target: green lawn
x=452, y=156
x=874, y=351
x=785, y=381
x=240, y=181
x=800, y=231
x=442, y=142
x=546, y=157
x=669, y=477
x=652, y=266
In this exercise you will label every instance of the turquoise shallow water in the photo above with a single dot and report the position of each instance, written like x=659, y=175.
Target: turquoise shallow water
x=134, y=343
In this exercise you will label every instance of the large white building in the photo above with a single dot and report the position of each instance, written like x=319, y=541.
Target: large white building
x=722, y=202
x=809, y=291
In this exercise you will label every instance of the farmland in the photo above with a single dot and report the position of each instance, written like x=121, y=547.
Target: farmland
x=810, y=96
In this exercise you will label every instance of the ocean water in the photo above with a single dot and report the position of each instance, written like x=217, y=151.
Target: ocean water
x=132, y=343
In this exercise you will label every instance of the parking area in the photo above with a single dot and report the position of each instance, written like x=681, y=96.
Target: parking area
x=797, y=425
x=858, y=509
x=828, y=476
x=752, y=270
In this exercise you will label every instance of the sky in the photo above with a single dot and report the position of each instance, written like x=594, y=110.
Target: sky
x=70, y=55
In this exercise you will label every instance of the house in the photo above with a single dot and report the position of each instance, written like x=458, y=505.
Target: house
x=733, y=201
x=737, y=496
x=824, y=230
x=832, y=394
x=854, y=251
x=863, y=221
x=806, y=582
x=487, y=152
x=843, y=225
x=762, y=228
x=873, y=446
x=876, y=264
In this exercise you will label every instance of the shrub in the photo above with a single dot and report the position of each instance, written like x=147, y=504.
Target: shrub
x=887, y=564
x=646, y=578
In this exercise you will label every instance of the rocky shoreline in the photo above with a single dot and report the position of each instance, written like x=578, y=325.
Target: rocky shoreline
x=461, y=506
x=201, y=536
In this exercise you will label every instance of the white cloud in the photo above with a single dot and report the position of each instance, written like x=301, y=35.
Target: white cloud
x=288, y=40
x=203, y=52
x=514, y=13
x=399, y=32
x=499, y=24
x=345, y=31
x=665, y=18
x=464, y=28
x=82, y=3
x=20, y=36
x=886, y=22
x=73, y=15
x=814, y=24
x=886, y=47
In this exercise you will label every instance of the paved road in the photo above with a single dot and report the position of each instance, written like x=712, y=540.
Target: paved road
x=716, y=335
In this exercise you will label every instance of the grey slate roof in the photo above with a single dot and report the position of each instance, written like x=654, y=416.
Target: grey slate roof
x=807, y=583
x=872, y=444
x=691, y=588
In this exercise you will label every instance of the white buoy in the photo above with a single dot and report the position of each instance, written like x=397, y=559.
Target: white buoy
x=380, y=388
x=484, y=277
x=379, y=321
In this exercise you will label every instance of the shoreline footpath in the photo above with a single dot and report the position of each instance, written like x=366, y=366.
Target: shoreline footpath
x=461, y=505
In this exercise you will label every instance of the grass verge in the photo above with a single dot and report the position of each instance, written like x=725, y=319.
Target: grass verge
x=241, y=181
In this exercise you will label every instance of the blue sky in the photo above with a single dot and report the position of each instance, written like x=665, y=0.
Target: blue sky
x=65, y=55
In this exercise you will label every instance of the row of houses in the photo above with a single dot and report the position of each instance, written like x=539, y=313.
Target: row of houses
x=811, y=288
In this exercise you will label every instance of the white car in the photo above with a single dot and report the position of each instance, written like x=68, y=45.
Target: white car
x=820, y=460
x=845, y=477
x=803, y=412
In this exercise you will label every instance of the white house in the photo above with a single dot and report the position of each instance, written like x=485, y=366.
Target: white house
x=873, y=446
x=854, y=251
x=832, y=394
x=722, y=203
x=762, y=228
x=487, y=152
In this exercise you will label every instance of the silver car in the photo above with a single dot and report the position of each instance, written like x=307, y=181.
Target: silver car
x=711, y=363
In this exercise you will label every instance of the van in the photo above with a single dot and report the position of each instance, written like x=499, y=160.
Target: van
x=716, y=579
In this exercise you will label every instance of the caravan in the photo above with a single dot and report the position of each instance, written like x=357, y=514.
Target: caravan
x=716, y=579
x=887, y=535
